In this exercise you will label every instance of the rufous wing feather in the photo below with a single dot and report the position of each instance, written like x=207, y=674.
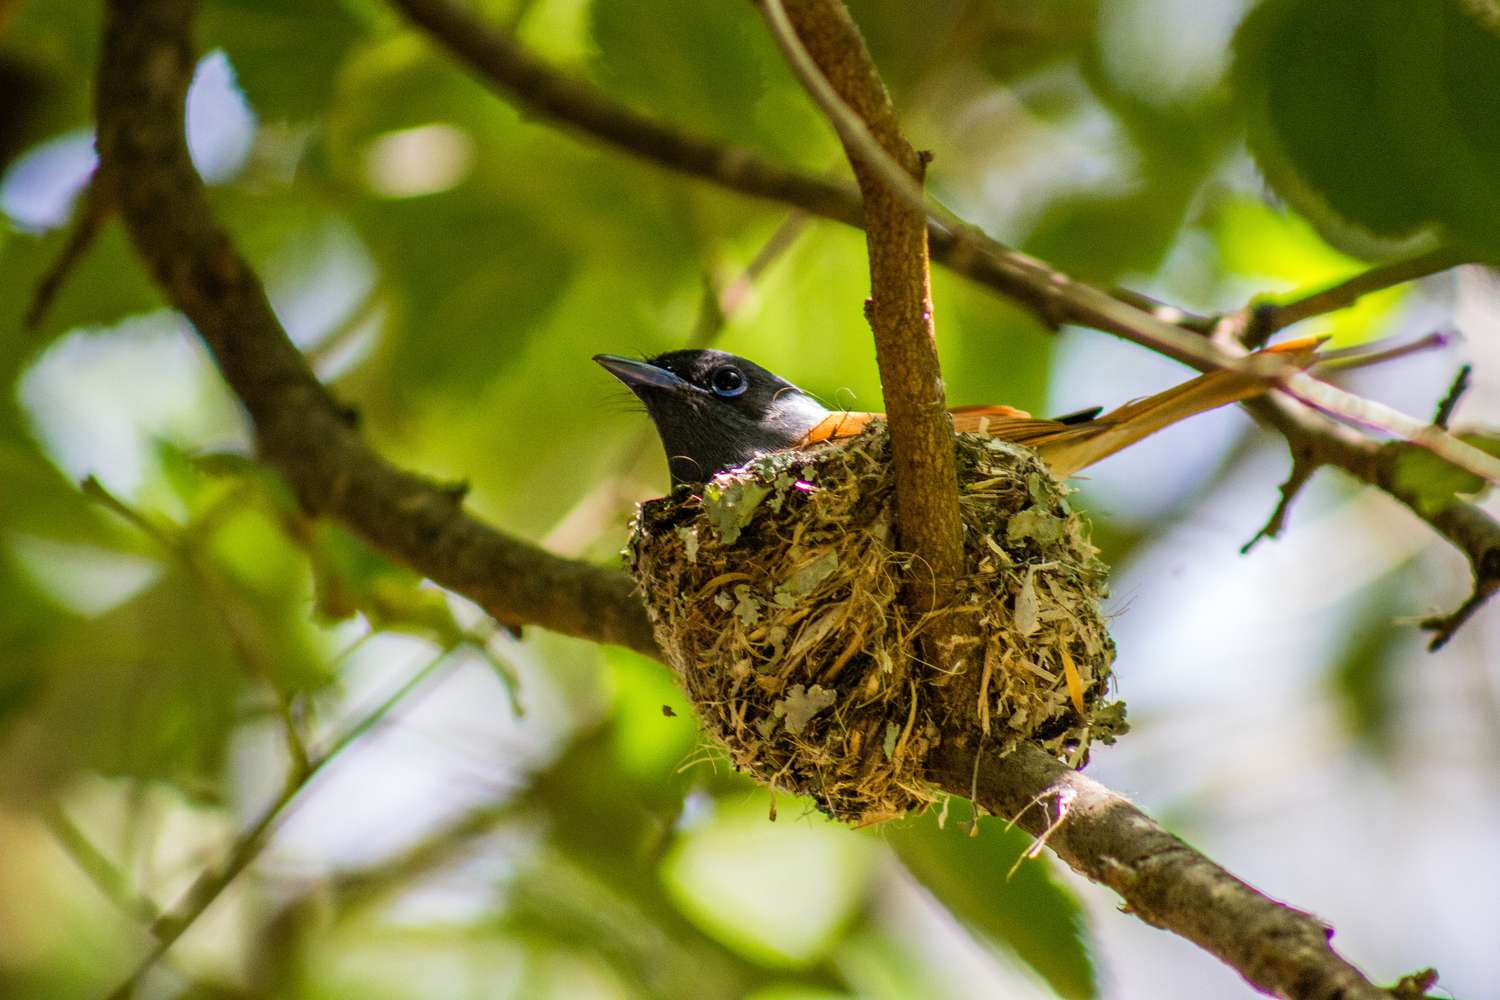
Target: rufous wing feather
x=839, y=424
x=1070, y=447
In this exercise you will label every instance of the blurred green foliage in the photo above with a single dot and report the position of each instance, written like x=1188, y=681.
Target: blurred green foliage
x=449, y=263
x=1325, y=93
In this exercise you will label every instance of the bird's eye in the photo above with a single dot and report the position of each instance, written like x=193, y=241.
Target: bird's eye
x=728, y=381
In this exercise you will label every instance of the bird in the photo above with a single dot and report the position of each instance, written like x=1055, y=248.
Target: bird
x=716, y=411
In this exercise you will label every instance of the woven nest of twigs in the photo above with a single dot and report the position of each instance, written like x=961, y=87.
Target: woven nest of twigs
x=775, y=593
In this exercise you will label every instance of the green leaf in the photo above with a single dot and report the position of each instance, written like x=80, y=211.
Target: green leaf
x=1027, y=913
x=1036, y=524
x=695, y=64
x=1375, y=118
x=1364, y=675
x=473, y=281
x=105, y=285
x=1433, y=483
x=149, y=689
x=807, y=577
x=1441, y=97
x=351, y=577
x=286, y=53
x=1309, y=74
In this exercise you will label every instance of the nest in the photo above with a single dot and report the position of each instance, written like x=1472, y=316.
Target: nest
x=775, y=594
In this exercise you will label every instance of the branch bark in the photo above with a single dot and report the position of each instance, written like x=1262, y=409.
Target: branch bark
x=1101, y=835
x=145, y=67
x=823, y=43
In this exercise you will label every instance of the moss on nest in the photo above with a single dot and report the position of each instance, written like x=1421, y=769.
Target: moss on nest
x=774, y=592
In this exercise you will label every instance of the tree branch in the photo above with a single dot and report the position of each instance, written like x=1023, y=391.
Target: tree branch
x=1163, y=881
x=145, y=66
x=1316, y=441
x=300, y=429
x=825, y=49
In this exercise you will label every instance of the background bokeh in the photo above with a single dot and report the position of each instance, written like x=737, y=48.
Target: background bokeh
x=526, y=820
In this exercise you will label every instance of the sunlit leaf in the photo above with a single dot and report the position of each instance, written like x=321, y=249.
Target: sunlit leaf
x=1281, y=250
x=779, y=893
x=287, y=54
x=1027, y=913
x=1348, y=102
x=692, y=63
x=1434, y=483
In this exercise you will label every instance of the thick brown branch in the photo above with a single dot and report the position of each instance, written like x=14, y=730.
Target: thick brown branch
x=900, y=306
x=300, y=429
x=1101, y=835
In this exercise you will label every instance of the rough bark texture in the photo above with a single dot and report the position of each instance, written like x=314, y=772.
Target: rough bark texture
x=899, y=310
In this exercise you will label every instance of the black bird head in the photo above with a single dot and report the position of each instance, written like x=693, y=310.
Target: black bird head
x=714, y=410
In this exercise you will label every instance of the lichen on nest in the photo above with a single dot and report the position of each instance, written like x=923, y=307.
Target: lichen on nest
x=775, y=593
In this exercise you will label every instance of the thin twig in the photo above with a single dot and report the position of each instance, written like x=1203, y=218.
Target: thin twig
x=1302, y=472
x=247, y=847
x=1365, y=355
x=1443, y=627
x=94, y=208
x=1272, y=317
x=235, y=616
x=1456, y=392
x=105, y=874
x=851, y=128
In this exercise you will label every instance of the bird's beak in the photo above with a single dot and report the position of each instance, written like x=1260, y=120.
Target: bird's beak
x=638, y=375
